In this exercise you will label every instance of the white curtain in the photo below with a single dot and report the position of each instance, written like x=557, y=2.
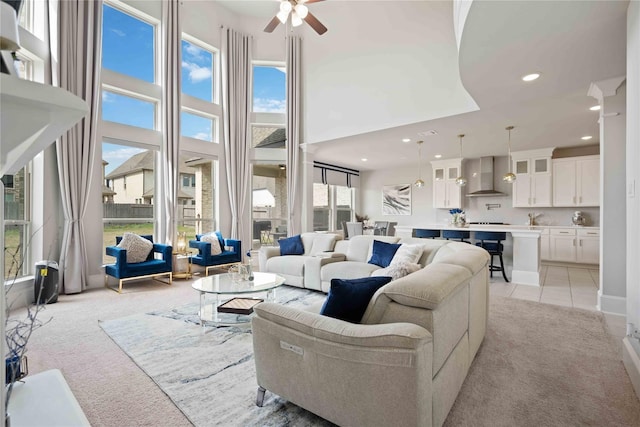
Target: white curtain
x=79, y=44
x=236, y=92
x=294, y=101
x=166, y=195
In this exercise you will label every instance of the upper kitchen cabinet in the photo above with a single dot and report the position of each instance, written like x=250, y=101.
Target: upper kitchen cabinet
x=576, y=181
x=446, y=194
x=532, y=187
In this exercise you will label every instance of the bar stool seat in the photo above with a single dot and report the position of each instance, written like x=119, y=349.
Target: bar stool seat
x=492, y=243
x=456, y=235
x=424, y=233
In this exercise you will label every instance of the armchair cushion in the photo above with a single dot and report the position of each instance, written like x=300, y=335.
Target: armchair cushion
x=407, y=253
x=215, y=243
x=138, y=248
x=348, y=299
x=383, y=253
x=291, y=246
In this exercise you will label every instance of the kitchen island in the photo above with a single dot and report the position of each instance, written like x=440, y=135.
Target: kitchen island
x=526, y=246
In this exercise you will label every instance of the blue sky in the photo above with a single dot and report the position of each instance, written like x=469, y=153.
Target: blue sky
x=128, y=48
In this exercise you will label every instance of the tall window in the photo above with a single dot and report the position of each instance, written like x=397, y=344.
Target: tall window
x=197, y=71
x=197, y=126
x=128, y=44
x=269, y=203
x=128, y=110
x=16, y=224
x=269, y=87
x=321, y=208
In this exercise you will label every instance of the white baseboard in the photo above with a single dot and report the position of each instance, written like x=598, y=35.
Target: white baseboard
x=631, y=360
x=611, y=304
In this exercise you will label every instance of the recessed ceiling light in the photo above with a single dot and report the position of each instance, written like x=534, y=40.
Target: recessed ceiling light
x=364, y=160
x=531, y=77
x=406, y=139
x=586, y=137
x=595, y=108
x=438, y=156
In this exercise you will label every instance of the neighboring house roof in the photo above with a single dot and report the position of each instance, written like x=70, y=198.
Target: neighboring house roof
x=181, y=194
x=143, y=161
x=275, y=139
x=106, y=191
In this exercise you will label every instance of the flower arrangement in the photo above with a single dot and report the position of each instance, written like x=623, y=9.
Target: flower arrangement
x=458, y=219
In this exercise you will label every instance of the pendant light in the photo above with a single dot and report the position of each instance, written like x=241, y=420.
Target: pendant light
x=419, y=182
x=461, y=181
x=509, y=176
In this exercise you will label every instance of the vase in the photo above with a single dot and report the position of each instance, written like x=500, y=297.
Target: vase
x=458, y=221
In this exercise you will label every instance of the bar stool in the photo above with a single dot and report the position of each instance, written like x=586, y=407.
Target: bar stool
x=456, y=235
x=424, y=233
x=492, y=243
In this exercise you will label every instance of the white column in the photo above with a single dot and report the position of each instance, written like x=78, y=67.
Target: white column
x=307, y=187
x=611, y=97
x=526, y=258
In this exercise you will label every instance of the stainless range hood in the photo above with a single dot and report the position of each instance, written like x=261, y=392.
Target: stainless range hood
x=485, y=188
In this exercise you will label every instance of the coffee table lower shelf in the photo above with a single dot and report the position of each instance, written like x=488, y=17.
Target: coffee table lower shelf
x=227, y=313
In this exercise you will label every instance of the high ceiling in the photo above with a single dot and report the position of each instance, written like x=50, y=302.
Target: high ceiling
x=388, y=70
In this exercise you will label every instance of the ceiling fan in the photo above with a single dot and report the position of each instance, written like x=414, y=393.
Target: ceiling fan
x=299, y=12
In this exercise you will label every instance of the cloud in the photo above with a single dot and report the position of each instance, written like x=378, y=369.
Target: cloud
x=196, y=72
x=205, y=136
x=266, y=105
x=193, y=52
x=107, y=97
x=118, y=32
x=119, y=155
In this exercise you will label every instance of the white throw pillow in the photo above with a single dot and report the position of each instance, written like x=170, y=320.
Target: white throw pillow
x=215, y=243
x=138, y=248
x=408, y=254
x=397, y=270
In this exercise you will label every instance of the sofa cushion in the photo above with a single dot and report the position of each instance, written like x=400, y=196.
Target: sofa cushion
x=383, y=253
x=215, y=242
x=348, y=299
x=408, y=254
x=397, y=270
x=323, y=242
x=287, y=265
x=346, y=270
x=138, y=248
x=291, y=246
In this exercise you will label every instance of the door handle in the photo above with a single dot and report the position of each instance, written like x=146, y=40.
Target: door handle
x=574, y=242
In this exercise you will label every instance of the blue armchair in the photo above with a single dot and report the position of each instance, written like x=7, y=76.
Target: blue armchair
x=205, y=259
x=151, y=267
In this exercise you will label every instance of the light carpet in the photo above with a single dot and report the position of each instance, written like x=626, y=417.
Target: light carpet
x=539, y=365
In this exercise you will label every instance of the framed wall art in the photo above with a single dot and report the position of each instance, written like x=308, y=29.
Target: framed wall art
x=396, y=199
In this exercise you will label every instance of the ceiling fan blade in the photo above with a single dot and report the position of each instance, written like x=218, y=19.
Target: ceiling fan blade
x=315, y=24
x=272, y=25
x=308, y=1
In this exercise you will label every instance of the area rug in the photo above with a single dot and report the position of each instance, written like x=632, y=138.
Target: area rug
x=539, y=365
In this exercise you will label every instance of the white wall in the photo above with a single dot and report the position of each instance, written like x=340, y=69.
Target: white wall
x=633, y=161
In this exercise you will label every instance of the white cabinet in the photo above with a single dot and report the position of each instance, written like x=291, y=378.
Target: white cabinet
x=532, y=187
x=562, y=243
x=574, y=245
x=576, y=181
x=588, y=248
x=446, y=194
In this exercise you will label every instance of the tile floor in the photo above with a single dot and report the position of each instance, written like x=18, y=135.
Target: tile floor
x=566, y=286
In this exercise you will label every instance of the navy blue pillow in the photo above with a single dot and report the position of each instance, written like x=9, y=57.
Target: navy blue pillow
x=348, y=299
x=291, y=246
x=383, y=253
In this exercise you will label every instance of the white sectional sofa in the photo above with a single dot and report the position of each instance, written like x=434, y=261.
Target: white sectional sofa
x=403, y=364
x=302, y=271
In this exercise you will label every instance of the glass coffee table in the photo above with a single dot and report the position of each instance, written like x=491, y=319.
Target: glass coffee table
x=221, y=285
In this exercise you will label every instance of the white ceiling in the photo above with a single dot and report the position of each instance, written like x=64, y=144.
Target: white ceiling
x=374, y=104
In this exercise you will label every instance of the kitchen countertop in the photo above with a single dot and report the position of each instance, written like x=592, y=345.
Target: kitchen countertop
x=492, y=227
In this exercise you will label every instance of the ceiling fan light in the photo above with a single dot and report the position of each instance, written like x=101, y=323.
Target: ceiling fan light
x=461, y=181
x=296, y=21
x=302, y=10
x=285, y=6
x=282, y=16
x=419, y=183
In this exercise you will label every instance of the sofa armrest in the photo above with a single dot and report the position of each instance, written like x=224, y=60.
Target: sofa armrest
x=265, y=253
x=313, y=265
x=120, y=254
x=164, y=250
x=202, y=247
x=235, y=244
x=390, y=335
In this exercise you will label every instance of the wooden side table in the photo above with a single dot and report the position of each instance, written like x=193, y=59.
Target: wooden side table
x=182, y=265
